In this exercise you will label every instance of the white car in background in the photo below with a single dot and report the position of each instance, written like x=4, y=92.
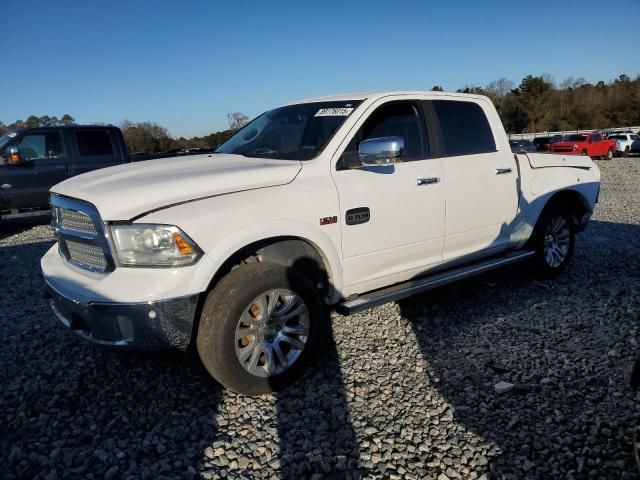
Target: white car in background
x=624, y=141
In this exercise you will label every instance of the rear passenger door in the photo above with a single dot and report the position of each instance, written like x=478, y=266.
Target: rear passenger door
x=480, y=181
x=96, y=148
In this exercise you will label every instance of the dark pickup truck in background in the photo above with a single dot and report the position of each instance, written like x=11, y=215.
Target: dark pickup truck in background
x=32, y=160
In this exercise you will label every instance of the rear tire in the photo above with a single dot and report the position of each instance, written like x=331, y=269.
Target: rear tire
x=583, y=153
x=553, y=242
x=609, y=154
x=260, y=327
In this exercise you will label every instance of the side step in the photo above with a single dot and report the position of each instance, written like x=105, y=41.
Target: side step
x=411, y=287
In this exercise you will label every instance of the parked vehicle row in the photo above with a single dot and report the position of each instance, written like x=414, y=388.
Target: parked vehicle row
x=543, y=144
x=591, y=144
x=345, y=201
x=575, y=142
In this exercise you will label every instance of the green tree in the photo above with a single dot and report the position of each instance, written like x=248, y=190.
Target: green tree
x=67, y=119
x=533, y=94
x=437, y=88
x=32, y=121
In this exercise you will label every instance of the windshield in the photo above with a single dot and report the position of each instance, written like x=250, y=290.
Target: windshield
x=294, y=132
x=575, y=138
x=619, y=137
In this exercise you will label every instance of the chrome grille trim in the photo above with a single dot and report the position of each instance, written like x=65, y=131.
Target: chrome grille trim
x=77, y=221
x=82, y=235
x=86, y=254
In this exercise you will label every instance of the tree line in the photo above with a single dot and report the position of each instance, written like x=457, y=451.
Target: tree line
x=35, y=121
x=537, y=104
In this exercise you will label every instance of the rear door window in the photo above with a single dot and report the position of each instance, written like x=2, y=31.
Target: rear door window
x=464, y=128
x=94, y=143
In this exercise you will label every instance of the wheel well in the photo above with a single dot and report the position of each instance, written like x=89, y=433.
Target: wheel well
x=294, y=252
x=573, y=201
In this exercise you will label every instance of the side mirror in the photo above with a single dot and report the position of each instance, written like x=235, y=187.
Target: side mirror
x=14, y=157
x=381, y=151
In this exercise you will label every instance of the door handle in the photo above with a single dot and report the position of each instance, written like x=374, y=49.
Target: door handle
x=427, y=181
x=502, y=171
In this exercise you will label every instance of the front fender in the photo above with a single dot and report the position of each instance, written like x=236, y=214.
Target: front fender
x=279, y=228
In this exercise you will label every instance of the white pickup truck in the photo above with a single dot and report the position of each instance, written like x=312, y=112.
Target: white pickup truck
x=347, y=201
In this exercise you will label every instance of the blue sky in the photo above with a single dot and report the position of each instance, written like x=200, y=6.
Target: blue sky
x=185, y=65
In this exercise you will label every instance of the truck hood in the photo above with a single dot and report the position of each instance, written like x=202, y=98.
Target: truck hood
x=127, y=191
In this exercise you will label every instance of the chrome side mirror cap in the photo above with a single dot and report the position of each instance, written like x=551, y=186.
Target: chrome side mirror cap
x=381, y=151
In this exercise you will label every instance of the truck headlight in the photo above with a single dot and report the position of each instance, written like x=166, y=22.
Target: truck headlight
x=146, y=245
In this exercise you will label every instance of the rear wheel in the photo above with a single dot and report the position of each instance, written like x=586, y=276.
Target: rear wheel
x=260, y=327
x=554, y=239
x=583, y=153
x=609, y=154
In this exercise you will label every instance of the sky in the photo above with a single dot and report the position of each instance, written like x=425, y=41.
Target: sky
x=185, y=65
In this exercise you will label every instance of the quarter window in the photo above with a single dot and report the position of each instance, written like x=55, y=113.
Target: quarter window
x=465, y=128
x=94, y=143
x=41, y=145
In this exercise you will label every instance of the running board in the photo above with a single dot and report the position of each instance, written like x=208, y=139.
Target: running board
x=407, y=289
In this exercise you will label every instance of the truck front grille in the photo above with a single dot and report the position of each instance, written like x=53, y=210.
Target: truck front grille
x=85, y=254
x=81, y=236
x=76, y=221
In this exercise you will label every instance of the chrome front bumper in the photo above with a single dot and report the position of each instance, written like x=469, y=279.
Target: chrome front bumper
x=143, y=326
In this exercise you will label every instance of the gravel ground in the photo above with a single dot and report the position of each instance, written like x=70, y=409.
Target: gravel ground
x=404, y=391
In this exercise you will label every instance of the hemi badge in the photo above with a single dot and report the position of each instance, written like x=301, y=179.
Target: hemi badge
x=328, y=220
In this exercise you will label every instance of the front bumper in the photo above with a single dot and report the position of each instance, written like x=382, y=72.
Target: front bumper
x=144, y=326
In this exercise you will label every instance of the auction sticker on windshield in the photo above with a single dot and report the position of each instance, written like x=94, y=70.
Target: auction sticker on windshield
x=333, y=112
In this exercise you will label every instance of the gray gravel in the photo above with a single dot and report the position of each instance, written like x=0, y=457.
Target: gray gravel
x=405, y=391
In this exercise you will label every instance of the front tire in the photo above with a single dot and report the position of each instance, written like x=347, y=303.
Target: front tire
x=554, y=239
x=260, y=327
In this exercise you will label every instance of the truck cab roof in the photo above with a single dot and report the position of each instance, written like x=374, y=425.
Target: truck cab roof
x=63, y=127
x=380, y=94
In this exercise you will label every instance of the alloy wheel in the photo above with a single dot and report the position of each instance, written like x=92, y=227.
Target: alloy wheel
x=272, y=332
x=557, y=238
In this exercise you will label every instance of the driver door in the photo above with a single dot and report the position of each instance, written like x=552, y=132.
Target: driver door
x=46, y=162
x=392, y=217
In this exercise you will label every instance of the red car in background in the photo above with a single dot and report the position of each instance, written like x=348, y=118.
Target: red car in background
x=592, y=144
